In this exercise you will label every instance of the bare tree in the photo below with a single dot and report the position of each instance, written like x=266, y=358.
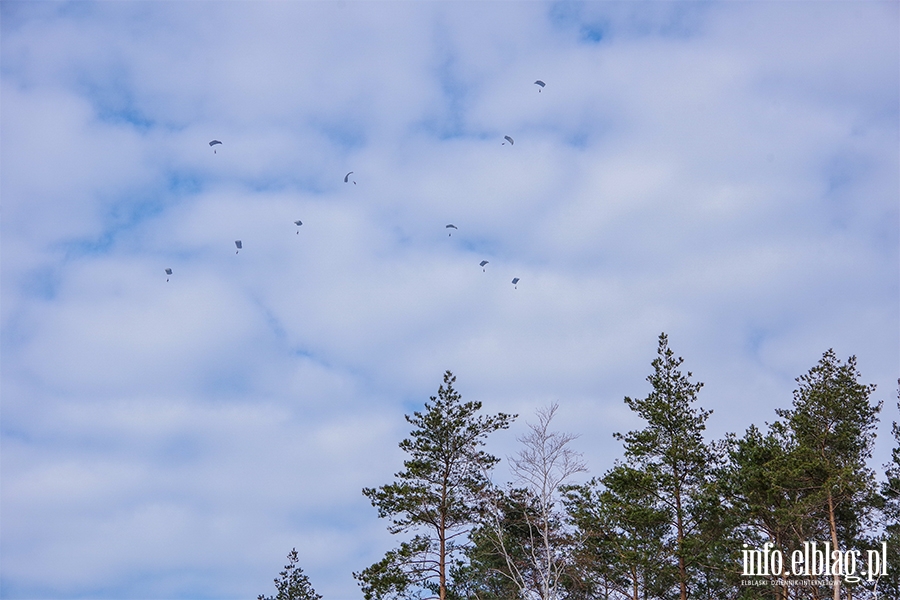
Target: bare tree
x=527, y=530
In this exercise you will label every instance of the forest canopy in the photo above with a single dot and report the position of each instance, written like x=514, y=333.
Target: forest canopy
x=789, y=510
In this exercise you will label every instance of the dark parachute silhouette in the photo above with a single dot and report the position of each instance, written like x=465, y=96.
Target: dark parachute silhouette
x=298, y=224
x=451, y=226
x=508, y=139
x=515, y=281
x=347, y=178
x=482, y=263
x=213, y=143
x=540, y=83
x=239, y=245
x=168, y=272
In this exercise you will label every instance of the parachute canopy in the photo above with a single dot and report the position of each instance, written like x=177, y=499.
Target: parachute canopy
x=451, y=226
x=540, y=83
x=214, y=142
x=508, y=139
x=347, y=177
x=168, y=271
x=238, y=244
x=515, y=280
x=482, y=263
x=298, y=223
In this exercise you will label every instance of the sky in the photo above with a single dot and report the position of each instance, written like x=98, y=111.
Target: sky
x=723, y=172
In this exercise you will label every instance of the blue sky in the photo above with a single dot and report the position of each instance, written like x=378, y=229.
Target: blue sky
x=724, y=172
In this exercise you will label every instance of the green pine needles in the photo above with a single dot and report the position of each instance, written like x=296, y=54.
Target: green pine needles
x=292, y=584
x=437, y=496
x=678, y=517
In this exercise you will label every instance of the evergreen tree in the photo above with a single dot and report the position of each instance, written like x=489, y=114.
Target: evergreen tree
x=499, y=559
x=832, y=430
x=438, y=494
x=717, y=543
x=765, y=495
x=292, y=584
x=624, y=536
x=671, y=451
x=889, y=585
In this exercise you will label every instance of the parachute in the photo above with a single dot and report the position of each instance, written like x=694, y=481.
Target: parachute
x=347, y=178
x=239, y=245
x=540, y=83
x=515, y=281
x=298, y=224
x=508, y=139
x=213, y=143
x=482, y=263
x=451, y=226
x=168, y=272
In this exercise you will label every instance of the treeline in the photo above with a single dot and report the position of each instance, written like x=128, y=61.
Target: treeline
x=793, y=511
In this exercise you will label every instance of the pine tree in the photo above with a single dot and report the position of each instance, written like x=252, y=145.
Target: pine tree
x=765, y=494
x=438, y=495
x=624, y=534
x=499, y=562
x=832, y=427
x=889, y=585
x=671, y=451
x=292, y=584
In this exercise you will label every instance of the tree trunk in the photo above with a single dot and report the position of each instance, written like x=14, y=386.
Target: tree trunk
x=442, y=538
x=679, y=523
x=634, y=578
x=834, y=541
x=442, y=582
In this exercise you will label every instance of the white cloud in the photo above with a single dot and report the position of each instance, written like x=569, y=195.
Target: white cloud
x=725, y=173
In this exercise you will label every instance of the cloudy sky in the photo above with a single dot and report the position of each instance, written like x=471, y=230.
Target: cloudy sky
x=724, y=172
